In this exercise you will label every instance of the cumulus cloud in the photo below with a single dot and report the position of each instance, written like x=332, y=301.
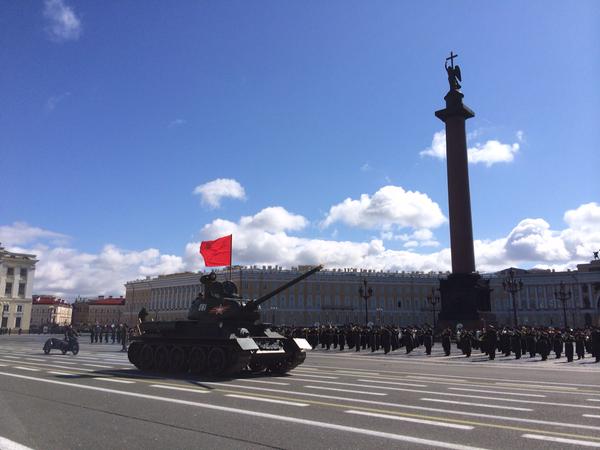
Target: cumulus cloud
x=270, y=238
x=53, y=101
x=214, y=191
x=62, y=22
x=390, y=206
x=68, y=272
x=177, y=123
x=488, y=153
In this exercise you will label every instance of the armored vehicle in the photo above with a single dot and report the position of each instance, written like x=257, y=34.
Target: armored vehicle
x=222, y=336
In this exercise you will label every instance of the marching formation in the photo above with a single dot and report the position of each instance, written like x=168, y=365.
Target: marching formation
x=521, y=341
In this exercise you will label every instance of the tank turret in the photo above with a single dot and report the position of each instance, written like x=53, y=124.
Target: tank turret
x=223, y=335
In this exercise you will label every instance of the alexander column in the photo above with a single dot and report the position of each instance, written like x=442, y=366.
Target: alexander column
x=464, y=292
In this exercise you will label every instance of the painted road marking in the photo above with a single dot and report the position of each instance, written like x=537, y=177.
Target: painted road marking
x=495, y=392
x=482, y=405
x=265, y=382
x=457, y=380
x=174, y=388
x=593, y=400
x=325, y=388
x=27, y=368
x=268, y=400
x=581, y=443
x=410, y=419
x=276, y=417
x=401, y=383
x=317, y=376
x=97, y=365
x=562, y=388
x=592, y=416
x=353, y=372
x=7, y=444
x=114, y=380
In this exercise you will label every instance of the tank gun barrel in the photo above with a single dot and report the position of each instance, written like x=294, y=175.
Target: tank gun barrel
x=255, y=303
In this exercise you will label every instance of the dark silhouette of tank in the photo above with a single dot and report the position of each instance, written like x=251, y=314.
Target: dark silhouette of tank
x=222, y=336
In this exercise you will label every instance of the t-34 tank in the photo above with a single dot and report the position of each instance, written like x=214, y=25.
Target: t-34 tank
x=222, y=336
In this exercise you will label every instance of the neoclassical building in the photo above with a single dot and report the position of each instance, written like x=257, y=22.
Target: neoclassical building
x=48, y=310
x=17, y=271
x=402, y=298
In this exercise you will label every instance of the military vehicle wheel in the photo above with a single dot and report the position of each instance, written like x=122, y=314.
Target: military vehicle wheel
x=161, y=359
x=177, y=361
x=216, y=361
x=133, y=353
x=64, y=351
x=146, y=357
x=197, y=360
x=256, y=367
x=279, y=367
x=46, y=350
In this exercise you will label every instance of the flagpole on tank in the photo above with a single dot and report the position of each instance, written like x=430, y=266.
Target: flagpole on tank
x=230, y=257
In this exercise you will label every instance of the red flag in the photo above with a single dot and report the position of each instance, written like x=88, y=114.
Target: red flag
x=217, y=252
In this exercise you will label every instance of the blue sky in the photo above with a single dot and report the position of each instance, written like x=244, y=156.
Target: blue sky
x=113, y=114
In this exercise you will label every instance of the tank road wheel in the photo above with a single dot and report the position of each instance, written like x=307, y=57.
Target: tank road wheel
x=161, y=358
x=217, y=361
x=147, y=357
x=197, y=360
x=133, y=354
x=279, y=367
x=177, y=362
x=256, y=367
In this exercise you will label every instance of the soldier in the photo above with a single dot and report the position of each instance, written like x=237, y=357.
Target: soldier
x=595, y=339
x=543, y=345
x=428, y=340
x=466, y=343
x=557, y=343
x=446, y=343
x=92, y=333
x=491, y=338
x=342, y=339
x=531, y=342
x=124, y=338
x=569, y=339
x=516, y=343
x=580, y=344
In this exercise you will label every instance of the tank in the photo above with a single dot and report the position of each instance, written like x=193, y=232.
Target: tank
x=223, y=336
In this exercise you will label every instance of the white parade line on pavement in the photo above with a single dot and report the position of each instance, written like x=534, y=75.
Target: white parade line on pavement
x=268, y=400
x=52, y=372
x=275, y=417
x=325, y=388
x=302, y=374
x=114, y=380
x=481, y=405
x=562, y=388
x=27, y=368
x=264, y=382
x=175, y=388
x=410, y=419
x=355, y=372
x=97, y=365
x=457, y=380
x=402, y=372
x=337, y=383
x=579, y=442
x=496, y=392
x=7, y=444
x=593, y=400
x=401, y=383
x=592, y=416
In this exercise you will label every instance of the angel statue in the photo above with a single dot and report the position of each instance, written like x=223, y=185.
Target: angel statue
x=453, y=76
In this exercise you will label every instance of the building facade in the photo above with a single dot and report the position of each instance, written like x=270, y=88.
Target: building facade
x=331, y=296
x=106, y=310
x=81, y=313
x=48, y=310
x=17, y=271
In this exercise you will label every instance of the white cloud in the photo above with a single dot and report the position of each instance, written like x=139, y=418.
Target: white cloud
x=214, y=191
x=177, y=122
x=267, y=238
x=20, y=233
x=489, y=153
x=53, y=101
x=63, y=24
x=366, y=167
x=389, y=206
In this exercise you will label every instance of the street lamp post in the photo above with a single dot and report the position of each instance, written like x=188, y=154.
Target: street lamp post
x=433, y=300
x=273, y=309
x=366, y=293
x=512, y=286
x=564, y=297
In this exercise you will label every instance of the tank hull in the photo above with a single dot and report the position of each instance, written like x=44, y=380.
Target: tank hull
x=187, y=347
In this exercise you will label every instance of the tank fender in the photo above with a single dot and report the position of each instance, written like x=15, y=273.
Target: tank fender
x=246, y=343
x=302, y=344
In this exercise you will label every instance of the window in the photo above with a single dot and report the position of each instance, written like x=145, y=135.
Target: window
x=23, y=272
x=5, y=308
x=19, y=308
x=8, y=289
x=22, y=289
x=18, y=322
x=10, y=271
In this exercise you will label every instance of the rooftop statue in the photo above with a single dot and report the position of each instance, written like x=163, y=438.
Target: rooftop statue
x=453, y=71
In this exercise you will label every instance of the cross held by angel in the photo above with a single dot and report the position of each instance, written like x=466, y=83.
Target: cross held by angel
x=453, y=71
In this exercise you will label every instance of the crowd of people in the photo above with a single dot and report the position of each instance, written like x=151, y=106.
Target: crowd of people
x=518, y=341
x=116, y=333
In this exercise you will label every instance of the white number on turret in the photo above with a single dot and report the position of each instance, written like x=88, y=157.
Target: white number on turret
x=202, y=307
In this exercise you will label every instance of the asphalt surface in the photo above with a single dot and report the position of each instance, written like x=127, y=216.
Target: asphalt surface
x=97, y=400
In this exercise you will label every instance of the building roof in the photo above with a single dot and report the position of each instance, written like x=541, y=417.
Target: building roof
x=49, y=300
x=108, y=301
